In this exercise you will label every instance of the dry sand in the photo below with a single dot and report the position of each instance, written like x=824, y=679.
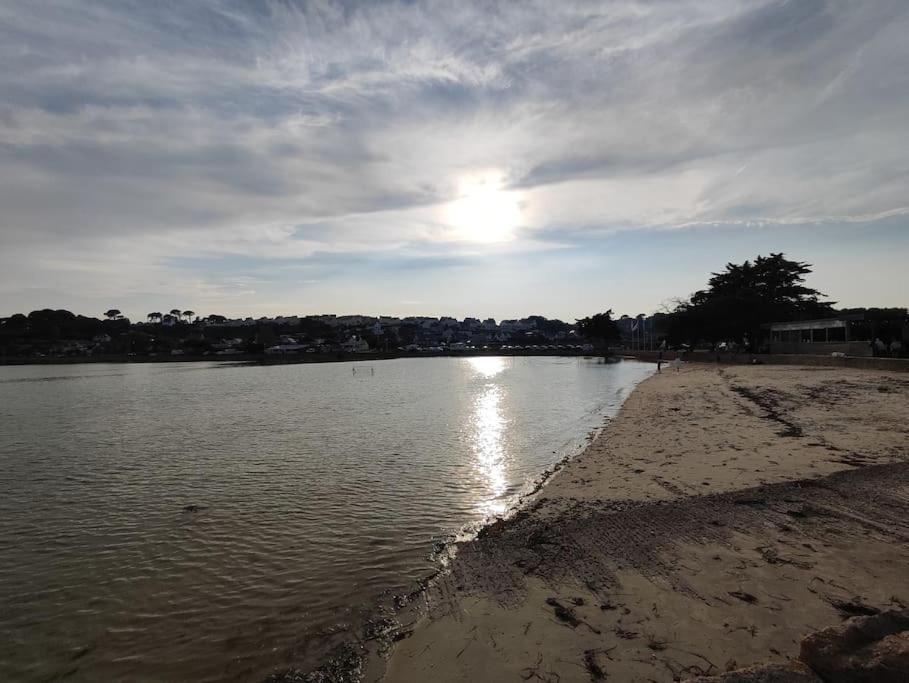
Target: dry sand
x=725, y=513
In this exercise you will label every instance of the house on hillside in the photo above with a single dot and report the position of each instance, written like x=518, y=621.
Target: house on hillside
x=355, y=345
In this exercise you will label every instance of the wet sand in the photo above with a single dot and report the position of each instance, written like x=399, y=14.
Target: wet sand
x=724, y=514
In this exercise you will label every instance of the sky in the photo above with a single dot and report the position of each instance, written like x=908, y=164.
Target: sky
x=446, y=158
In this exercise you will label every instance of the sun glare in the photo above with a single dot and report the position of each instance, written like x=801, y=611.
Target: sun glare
x=484, y=212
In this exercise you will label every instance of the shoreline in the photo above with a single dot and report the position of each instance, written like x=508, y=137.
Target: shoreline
x=364, y=645
x=536, y=599
x=697, y=357
x=292, y=359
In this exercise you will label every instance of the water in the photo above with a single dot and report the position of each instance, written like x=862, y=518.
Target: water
x=321, y=487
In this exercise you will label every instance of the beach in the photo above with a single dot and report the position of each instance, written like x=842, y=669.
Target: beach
x=725, y=513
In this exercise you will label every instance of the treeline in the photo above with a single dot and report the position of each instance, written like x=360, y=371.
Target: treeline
x=61, y=332
x=59, y=324
x=735, y=307
x=739, y=303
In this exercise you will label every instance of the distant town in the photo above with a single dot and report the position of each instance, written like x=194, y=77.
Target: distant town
x=759, y=306
x=62, y=334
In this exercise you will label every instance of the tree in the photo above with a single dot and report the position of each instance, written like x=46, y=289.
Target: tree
x=549, y=328
x=743, y=297
x=138, y=342
x=189, y=315
x=17, y=322
x=154, y=317
x=600, y=327
x=112, y=314
x=175, y=314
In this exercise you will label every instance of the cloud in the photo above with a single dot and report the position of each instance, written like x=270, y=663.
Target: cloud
x=139, y=133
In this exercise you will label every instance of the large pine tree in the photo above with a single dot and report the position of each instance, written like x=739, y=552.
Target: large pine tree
x=743, y=297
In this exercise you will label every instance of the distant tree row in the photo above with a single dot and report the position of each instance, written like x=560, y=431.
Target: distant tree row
x=56, y=324
x=174, y=316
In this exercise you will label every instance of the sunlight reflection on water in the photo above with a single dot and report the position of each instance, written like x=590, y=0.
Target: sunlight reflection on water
x=488, y=424
x=487, y=366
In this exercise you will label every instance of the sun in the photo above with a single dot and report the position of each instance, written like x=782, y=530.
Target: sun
x=483, y=211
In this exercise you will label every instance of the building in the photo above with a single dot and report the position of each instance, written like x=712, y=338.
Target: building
x=852, y=334
x=355, y=345
x=286, y=348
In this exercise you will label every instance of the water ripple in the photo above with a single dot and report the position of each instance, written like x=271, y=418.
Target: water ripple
x=164, y=522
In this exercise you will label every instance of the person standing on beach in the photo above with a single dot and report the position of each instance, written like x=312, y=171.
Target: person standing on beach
x=879, y=347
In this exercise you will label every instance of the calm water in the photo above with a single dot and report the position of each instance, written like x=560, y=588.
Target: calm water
x=321, y=487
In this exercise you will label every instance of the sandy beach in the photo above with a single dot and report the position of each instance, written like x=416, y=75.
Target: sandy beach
x=723, y=515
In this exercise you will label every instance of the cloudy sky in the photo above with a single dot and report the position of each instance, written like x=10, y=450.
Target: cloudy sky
x=453, y=158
